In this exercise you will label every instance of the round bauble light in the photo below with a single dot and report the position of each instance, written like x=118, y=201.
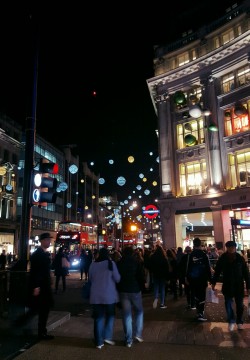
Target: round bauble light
x=190, y=140
x=179, y=98
x=195, y=111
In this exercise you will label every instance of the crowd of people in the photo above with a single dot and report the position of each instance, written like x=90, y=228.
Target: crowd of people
x=119, y=278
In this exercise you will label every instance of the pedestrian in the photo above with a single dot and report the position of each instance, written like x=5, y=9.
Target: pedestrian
x=235, y=279
x=159, y=268
x=60, y=271
x=3, y=260
x=173, y=272
x=130, y=289
x=89, y=259
x=182, y=275
x=198, y=276
x=104, y=276
x=40, y=289
x=83, y=260
x=179, y=255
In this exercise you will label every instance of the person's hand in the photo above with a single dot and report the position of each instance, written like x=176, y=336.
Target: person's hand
x=36, y=291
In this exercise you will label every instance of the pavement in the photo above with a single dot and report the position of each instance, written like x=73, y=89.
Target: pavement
x=172, y=333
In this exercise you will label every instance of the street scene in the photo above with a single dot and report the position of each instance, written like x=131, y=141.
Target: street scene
x=174, y=331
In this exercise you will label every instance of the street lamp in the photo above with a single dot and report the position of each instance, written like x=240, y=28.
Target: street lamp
x=231, y=215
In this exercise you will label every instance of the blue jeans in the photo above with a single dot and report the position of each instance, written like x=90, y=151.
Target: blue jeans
x=104, y=317
x=132, y=304
x=239, y=309
x=159, y=289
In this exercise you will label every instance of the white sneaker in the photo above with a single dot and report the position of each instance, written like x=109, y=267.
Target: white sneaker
x=110, y=342
x=240, y=326
x=231, y=327
x=139, y=339
x=155, y=303
x=99, y=346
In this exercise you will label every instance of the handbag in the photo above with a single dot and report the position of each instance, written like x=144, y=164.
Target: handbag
x=65, y=263
x=86, y=290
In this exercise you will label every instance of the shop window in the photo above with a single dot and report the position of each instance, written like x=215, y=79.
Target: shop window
x=193, y=178
x=236, y=119
x=239, y=165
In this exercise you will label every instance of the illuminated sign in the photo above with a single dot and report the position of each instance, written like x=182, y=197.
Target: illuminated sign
x=151, y=211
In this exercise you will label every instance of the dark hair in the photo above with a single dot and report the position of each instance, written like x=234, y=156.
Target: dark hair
x=104, y=255
x=128, y=251
x=197, y=242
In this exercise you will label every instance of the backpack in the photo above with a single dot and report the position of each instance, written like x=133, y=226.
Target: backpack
x=197, y=268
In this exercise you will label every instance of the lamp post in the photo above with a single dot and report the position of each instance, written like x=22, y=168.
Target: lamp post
x=231, y=215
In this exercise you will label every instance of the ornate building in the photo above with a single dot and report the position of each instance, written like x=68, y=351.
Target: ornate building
x=201, y=94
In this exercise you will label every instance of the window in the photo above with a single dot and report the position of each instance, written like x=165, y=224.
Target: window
x=183, y=59
x=235, y=122
x=193, y=178
x=235, y=79
x=190, y=133
x=243, y=75
x=227, y=36
x=228, y=82
x=239, y=169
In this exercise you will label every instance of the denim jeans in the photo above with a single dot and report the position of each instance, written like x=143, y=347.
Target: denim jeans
x=104, y=317
x=239, y=309
x=159, y=289
x=132, y=304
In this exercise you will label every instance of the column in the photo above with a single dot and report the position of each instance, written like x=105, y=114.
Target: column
x=165, y=145
x=213, y=145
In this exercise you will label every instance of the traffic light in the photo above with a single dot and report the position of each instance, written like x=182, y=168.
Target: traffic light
x=44, y=186
x=99, y=229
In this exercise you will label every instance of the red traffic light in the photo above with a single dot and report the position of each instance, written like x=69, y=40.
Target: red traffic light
x=50, y=168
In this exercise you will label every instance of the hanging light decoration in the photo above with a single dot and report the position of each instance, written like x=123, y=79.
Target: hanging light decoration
x=195, y=111
x=190, y=140
x=240, y=110
x=213, y=127
x=179, y=98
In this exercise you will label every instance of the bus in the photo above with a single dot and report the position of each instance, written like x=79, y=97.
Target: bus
x=75, y=236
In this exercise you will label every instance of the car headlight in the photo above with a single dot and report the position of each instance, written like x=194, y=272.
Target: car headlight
x=75, y=262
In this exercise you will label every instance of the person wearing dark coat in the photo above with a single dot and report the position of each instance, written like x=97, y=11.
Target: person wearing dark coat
x=198, y=276
x=60, y=271
x=159, y=267
x=130, y=289
x=235, y=278
x=40, y=291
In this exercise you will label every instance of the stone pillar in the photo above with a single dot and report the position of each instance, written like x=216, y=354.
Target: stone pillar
x=212, y=137
x=222, y=225
x=165, y=146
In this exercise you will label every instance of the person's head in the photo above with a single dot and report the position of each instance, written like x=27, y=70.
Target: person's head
x=197, y=242
x=128, y=251
x=188, y=249
x=230, y=246
x=45, y=239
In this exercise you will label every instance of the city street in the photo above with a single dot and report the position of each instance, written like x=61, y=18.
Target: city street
x=173, y=332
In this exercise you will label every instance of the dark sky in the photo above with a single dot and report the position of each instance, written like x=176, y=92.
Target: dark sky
x=85, y=48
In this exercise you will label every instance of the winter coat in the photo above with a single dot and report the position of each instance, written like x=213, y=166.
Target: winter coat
x=235, y=272
x=132, y=275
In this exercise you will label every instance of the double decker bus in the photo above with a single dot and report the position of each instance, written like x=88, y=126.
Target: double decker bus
x=74, y=236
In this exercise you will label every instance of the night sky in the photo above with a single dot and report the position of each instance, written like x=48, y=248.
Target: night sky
x=93, y=64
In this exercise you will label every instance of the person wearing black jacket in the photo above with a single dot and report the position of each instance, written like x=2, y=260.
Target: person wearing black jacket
x=235, y=275
x=40, y=298
x=130, y=290
x=60, y=271
x=198, y=276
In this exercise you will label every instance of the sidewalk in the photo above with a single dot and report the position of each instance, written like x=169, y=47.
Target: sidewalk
x=171, y=333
